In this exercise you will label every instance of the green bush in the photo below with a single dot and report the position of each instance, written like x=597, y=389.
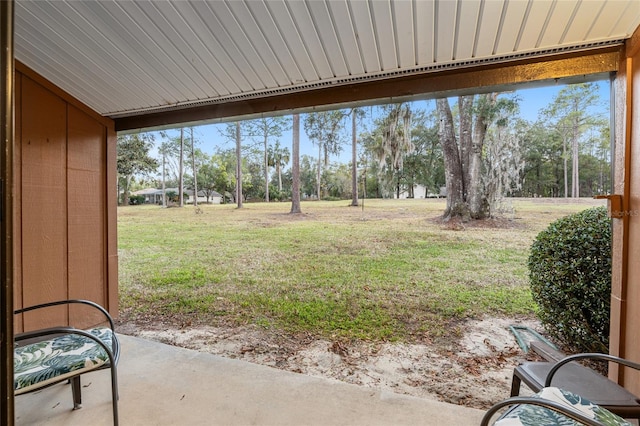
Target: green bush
x=172, y=196
x=570, y=276
x=135, y=200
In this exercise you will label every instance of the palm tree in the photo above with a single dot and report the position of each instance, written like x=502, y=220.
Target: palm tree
x=356, y=113
x=195, y=172
x=324, y=128
x=264, y=129
x=164, y=151
x=295, y=166
x=278, y=157
x=396, y=142
x=238, y=136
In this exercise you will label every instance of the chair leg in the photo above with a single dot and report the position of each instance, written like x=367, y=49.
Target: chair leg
x=115, y=395
x=515, y=385
x=76, y=392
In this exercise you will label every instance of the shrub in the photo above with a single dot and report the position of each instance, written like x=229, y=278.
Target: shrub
x=172, y=196
x=135, y=200
x=570, y=277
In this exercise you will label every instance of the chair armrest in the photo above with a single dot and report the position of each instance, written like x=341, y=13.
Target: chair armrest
x=68, y=302
x=571, y=413
x=114, y=353
x=604, y=357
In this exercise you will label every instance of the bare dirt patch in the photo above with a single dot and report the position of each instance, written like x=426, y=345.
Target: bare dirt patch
x=472, y=367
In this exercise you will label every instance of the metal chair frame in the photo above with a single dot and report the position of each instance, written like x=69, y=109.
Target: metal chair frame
x=113, y=354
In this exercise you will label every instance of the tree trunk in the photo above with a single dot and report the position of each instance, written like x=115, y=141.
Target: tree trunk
x=465, y=106
x=575, y=173
x=478, y=206
x=319, y=168
x=266, y=170
x=181, y=170
x=164, y=177
x=125, y=192
x=238, y=166
x=564, y=163
x=195, y=171
x=295, y=166
x=279, y=171
x=475, y=192
x=354, y=161
x=456, y=206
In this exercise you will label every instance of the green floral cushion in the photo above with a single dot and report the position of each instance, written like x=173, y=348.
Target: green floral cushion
x=39, y=364
x=535, y=415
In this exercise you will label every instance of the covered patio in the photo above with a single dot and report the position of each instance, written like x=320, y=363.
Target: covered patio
x=75, y=74
x=166, y=385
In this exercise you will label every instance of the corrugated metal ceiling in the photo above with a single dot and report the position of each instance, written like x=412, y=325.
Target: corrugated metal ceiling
x=131, y=57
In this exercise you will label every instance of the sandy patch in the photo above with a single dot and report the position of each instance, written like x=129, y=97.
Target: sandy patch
x=473, y=370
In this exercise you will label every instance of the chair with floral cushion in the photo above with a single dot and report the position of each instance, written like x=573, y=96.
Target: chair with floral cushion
x=551, y=406
x=48, y=356
x=581, y=380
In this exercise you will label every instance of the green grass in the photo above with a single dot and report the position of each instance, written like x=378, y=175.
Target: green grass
x=389, y=271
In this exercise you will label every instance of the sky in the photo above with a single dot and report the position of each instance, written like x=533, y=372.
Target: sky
x=532, y=100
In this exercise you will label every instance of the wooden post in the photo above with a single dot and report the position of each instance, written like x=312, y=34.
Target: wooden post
x=6, y=211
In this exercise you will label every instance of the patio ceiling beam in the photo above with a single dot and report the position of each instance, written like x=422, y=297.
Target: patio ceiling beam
x=567, y=67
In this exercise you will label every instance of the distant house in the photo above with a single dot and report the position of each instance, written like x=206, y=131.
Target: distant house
x=214, y=197
x=151, y=195
x=419, y=191
x=154, y=196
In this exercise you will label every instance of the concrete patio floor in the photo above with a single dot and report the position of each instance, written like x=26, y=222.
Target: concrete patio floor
x=166, y=385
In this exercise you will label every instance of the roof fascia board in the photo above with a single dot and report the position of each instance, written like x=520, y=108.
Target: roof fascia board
x=632, y=44
x=568, y=67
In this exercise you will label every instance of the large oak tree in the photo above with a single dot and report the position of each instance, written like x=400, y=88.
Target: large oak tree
x=463, y=151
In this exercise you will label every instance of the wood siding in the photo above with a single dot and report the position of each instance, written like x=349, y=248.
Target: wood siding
x=65, y=217
x=625, y=297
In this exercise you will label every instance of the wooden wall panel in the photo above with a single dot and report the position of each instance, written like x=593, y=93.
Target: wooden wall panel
x=112, y=221
x=86, y=179
x=44, y=201
x=65, y=215
x=631, y=321
x=625, y=277
x=619, y=225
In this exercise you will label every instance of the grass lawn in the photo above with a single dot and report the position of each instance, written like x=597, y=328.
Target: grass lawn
x=388, y=271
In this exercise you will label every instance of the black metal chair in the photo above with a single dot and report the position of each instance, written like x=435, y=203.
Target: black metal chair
x=516, y=401
x=45, y=357
x=581, y=380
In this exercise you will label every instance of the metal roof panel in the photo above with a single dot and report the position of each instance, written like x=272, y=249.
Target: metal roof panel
x=128, y=58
